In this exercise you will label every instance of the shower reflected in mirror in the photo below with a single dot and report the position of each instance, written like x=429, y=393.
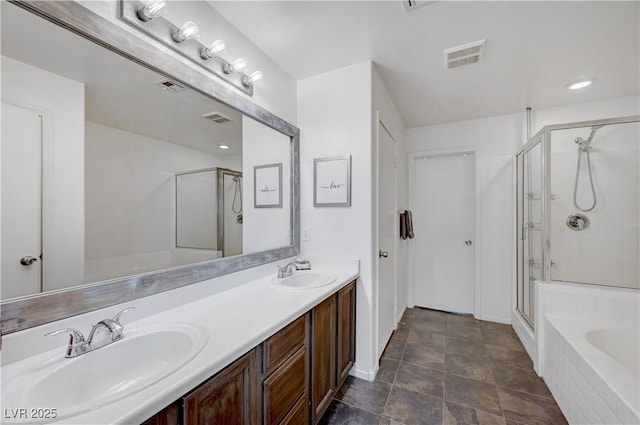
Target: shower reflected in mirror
x=209, y=212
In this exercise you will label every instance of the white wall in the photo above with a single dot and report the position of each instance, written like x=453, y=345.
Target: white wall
x=276, y=92
x=130, y=204
x=388, y=114
x=62, y=101
x=498, y=138
x=265, y=228
x=334, y=115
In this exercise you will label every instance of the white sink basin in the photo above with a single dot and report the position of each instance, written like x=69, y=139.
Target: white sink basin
x=305, y=280
x=72, y=386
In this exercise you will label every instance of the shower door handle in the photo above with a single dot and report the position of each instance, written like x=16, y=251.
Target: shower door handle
x=383, y=254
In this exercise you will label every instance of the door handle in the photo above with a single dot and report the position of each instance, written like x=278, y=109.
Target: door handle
x=383, y=254
x=468, y=242
x=28, y=260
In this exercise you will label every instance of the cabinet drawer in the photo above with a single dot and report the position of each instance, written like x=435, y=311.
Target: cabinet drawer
x=284, y=343
x=284, y=387
x=299, y=415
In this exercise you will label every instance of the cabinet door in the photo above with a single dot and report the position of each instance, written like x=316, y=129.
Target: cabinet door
x=346, y=331
x=229, y=398
x=168, y=416
x=323, y=358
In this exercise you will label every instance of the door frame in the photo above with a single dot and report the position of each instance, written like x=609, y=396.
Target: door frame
x=376, y=245
x=477, y=245
x=47, y=176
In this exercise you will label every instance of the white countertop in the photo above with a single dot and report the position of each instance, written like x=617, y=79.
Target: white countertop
x=238, y=311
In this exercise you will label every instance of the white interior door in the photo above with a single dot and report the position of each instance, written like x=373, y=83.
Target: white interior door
x=443, y=253
x=21, y=153
x=387, y=222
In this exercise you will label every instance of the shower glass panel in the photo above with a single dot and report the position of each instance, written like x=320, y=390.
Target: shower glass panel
x=530, y=224
x=578, y=207
x=196, y=203
x=230, y=215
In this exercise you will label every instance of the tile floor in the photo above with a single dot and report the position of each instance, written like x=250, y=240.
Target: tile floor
x=444, y=369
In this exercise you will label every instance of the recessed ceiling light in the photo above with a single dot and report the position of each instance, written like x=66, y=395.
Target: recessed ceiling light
x=579, y=84
x=223, y=146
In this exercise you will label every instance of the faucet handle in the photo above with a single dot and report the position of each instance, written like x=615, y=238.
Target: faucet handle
x=116, y=318
x=77, y=344
x=77, y=337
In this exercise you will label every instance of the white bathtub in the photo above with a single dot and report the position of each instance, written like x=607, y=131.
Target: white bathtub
x=589, y=352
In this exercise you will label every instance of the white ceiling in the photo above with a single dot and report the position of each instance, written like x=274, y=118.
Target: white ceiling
x=118, y=92
x=534, y=48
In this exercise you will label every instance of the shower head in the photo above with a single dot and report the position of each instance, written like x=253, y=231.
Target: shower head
x=584, y=145
x=236, y=179
x=593, y=131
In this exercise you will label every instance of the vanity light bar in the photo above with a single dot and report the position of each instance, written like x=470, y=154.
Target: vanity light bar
x=150, y=17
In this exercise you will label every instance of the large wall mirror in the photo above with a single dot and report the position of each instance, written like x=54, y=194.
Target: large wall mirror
x=122, y=178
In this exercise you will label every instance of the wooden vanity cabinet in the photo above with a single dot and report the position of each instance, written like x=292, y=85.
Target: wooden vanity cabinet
x=229, y=398
x=168, y=416
x=289, y=379
x=286, y=375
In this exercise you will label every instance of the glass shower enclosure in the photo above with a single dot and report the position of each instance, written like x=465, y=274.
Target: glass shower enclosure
x=578, y=207
x=209, y=211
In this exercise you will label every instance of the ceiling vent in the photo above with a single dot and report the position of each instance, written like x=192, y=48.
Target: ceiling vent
x=411, y=5
x=170, y=86
x=216, y=117
x=464, y=55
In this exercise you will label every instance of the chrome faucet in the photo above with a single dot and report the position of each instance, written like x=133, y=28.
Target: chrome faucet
x=102, y=333
x=287, y=269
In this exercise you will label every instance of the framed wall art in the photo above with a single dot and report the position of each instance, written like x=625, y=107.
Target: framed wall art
x=332, y=182
x=267, y=186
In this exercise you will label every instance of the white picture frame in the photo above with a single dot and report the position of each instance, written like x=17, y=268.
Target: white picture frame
x=267, y=186
x=332, y=181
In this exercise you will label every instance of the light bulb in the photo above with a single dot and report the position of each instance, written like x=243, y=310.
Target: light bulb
x=152, y=9
x=248, y=80
x=188, y=31
x=237, y=65
x=213, y=50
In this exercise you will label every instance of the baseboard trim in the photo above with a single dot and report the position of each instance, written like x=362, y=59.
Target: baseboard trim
x=495, y=319
x=399, y=318
x=363, y=374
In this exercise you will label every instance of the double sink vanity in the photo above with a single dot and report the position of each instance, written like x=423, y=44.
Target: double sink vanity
x=213, y=352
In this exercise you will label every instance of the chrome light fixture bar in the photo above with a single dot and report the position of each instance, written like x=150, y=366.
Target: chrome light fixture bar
x=150, y=17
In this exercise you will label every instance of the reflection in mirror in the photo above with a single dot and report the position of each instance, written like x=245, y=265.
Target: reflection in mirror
x=209, y=210
x=111, y=170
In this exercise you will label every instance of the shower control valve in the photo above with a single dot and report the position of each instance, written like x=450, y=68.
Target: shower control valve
x=577, y=222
